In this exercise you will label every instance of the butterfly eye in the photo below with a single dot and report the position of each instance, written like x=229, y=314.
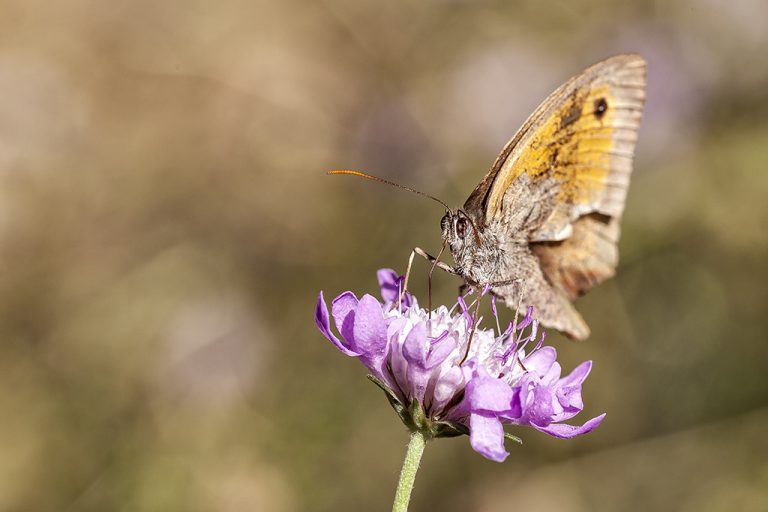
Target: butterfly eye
x=462, y=226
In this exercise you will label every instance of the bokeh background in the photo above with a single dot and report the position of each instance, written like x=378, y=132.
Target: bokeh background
x=166, y=225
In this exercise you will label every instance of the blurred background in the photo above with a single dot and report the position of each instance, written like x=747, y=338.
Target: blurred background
x=166, y=224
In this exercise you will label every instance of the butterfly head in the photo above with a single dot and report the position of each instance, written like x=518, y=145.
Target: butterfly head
x=459, y=231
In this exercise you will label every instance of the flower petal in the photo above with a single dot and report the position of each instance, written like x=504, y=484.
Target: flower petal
x=578, y=375
x=389, y=283
x=568, y=391
x=537, y=402
x=415, y=345
x=343, y=311
x=391, y=286
x=488, y=394
x=447, y=385
x=552, y=377
x=369, y=330
x=486, y=435
x=323, y=323
x=516, y=408
x=541, y=360
x=564, y=431
x=442, y=347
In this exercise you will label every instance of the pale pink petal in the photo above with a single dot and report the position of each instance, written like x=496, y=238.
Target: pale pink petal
x=487, y=394
x=486, y=435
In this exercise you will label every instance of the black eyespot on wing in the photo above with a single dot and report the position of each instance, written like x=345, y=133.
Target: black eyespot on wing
x=601, y=107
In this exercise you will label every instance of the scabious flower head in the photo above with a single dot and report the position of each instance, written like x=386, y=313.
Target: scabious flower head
x=446, y=377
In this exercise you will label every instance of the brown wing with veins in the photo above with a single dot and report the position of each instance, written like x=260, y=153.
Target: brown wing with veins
x=561, y=182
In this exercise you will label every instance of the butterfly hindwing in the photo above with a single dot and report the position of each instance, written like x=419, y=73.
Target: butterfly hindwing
x=585, y=259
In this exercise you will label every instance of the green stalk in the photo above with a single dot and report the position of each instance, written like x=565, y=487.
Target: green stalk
x=408, y=473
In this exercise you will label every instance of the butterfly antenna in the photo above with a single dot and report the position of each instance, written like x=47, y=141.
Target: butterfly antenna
x=387, y=182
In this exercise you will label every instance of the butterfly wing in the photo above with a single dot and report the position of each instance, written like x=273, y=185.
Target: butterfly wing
x=560, y=184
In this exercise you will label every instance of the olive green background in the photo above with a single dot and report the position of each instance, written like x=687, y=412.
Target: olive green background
x=166, y=224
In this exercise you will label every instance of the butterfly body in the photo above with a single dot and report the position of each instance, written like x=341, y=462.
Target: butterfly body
x=542, y=227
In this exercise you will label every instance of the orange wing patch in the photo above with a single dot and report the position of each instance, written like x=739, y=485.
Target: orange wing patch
x=580, y=147
x=579, y=143
x=575, y=147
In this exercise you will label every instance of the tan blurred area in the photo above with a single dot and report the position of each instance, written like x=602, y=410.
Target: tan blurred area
x=166, y=224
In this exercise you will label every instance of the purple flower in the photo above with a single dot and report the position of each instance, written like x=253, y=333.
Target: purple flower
x=444, y=380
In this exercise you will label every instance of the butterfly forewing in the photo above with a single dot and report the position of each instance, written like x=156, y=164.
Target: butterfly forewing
x=581, y=139
x=560, y=184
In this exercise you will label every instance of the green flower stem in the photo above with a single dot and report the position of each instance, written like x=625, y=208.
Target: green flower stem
x=408, y=473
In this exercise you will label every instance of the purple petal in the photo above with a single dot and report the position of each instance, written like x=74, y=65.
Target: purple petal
x=369, y=328
x=486, y=435
x=415, y=349
x=415, y=345
x=389, y=282
x=578, y=375
x=391, y=285
x=515, y=409
x=396, y=361
x=536, y=401
x=488, y=394
x=570, y=402
x=442, y=347
x=493, y=306
x=343, y=311
x=323, y=323
x=569, y=391
x=541, y=361
x=471, y=369
x=446, y=387
x=564, y=431
x=395, y=326
x=552, y=376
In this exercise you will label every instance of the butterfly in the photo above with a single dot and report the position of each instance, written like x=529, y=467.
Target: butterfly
x=542, y=227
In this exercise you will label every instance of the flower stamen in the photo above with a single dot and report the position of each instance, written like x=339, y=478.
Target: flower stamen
x=472, y=333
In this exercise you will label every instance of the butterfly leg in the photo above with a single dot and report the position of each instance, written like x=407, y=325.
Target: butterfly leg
x=439, y=264
x=407, y=276
x=436, y=263
x=505, y=282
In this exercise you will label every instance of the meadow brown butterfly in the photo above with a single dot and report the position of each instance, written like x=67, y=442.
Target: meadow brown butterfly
x=542, y=227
